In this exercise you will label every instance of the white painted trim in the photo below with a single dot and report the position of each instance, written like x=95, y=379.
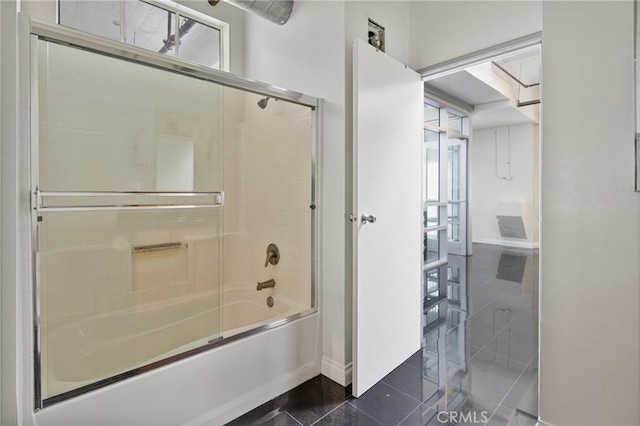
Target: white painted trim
x=339, y=373
x=348, y=374
x=238, y=406
x=507, y=243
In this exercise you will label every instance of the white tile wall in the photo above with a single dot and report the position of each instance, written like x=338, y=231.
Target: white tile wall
x=100, y=123
x=268, y=183
x=99, y=129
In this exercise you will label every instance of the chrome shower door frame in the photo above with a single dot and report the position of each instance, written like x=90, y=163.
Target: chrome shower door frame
x=31, y=33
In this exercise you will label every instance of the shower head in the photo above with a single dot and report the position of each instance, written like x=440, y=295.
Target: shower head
x=262, y=103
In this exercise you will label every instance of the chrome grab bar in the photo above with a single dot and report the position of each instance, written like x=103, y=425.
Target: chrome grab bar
x=40, y=205
x=156, y=247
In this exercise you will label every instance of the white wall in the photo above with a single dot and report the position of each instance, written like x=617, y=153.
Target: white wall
x=307, y=55
x=590, y=217
x=589, y=368
x=267, y=197
x=443, y=30
x=8, y=260
x=490, y=194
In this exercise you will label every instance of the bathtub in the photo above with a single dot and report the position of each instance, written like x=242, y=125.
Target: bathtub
x=246, y=308
x=99, y=347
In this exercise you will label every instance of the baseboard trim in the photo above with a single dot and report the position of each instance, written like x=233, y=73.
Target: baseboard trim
x=348, y=373
x=247, y=402
x=508, y=243
x=341, y=374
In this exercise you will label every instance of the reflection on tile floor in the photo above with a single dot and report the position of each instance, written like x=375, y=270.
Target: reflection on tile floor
x=478, y=363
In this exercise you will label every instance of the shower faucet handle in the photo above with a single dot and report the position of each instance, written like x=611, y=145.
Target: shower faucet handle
x=273, y=255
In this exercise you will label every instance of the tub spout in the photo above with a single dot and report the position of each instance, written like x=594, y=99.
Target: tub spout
x=267, y=284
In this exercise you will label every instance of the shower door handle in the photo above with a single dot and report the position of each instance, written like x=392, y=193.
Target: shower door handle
x=368, y=218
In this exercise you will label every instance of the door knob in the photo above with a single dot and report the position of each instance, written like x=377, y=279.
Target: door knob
x=371, y=218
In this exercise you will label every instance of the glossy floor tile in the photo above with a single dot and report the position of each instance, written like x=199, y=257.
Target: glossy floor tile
x=476, y=366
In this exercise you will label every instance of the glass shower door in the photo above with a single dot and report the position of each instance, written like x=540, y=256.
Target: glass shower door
x=128, y=210
x=457, y=199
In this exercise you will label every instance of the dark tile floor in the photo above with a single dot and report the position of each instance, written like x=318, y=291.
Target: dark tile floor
x=478, y=364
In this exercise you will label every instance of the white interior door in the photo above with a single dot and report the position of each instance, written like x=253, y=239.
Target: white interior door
x=387, y=194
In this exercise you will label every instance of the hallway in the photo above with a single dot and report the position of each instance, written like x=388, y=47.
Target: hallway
x=487, y=351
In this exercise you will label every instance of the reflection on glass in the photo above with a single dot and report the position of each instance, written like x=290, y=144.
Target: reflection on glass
x=454, y=344
x=453, y=227
x=199, y=43
x=431, y=216
x=431, y=173
x=431, y=246
x=453, y=285
x=431, y=115
x=432, y=315
x=431, y=285
x=431, y=359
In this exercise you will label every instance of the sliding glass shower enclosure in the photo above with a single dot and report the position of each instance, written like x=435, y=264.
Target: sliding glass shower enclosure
x=157, y=187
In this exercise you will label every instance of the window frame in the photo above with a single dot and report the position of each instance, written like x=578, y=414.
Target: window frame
x=179, y=11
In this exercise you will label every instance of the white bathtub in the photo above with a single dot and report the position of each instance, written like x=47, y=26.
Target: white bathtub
x=246, y=308
x=102, y=346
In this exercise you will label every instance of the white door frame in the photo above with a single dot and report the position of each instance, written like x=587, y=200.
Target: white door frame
x=492, y=53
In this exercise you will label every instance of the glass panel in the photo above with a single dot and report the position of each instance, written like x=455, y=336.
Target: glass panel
x=100, y=17
x=431, y=216
x=431, y=246
x=431, y=171
x=455, y=350
x=267, y=197
x=455, y=123
x=122, y=289
x=432, y=315
x=431, y=285
x=150, y=27
x=455, y=173
x=431, y=359
x=431, y=115
x=453, y=227
x=199, y=43
x=453, y=285
x=111, y=125
x=455, y=317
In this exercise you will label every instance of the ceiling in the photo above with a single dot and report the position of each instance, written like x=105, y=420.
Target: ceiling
x=493, y=93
